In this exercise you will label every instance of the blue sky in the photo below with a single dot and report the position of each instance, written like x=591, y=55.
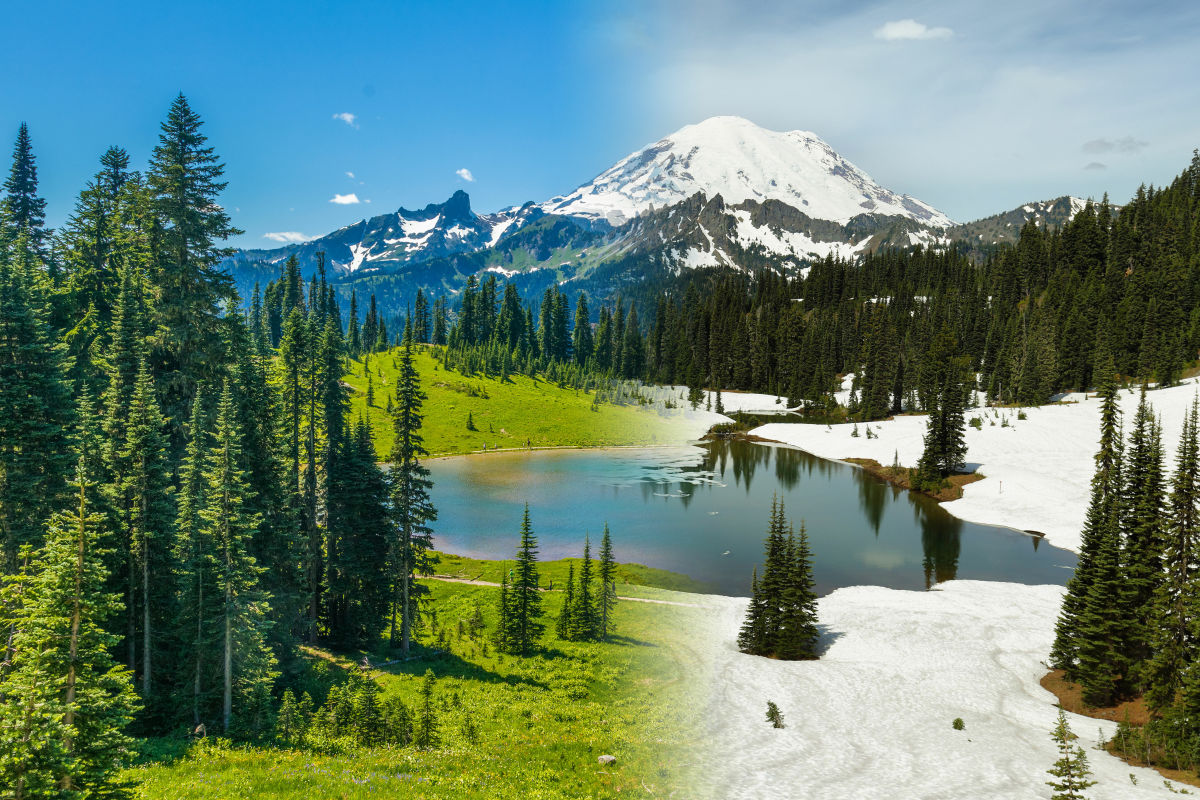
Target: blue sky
x=972, y=108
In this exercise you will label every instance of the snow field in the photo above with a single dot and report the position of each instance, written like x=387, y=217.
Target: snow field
x=1038, y=470
x=873, y=718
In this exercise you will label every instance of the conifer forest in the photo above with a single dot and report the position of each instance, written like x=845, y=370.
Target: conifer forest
x=728, y=474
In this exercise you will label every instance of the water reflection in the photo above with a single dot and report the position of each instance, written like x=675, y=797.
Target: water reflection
x=702, y=511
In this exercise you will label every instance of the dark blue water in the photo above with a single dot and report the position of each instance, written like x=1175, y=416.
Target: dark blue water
x=702, y=511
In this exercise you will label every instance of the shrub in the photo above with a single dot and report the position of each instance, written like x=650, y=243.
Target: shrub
x=958, y=723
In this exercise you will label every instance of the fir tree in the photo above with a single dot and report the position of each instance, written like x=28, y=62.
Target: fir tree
x=1177, y=599
x=196, y=562
x=1071, y=770
x=35, y=409
x=1140, y=523
x=607, y=598
x=1103, y=511
x=247, y=665
x=565, y=627
x=149, y=513
x=25, y=211
x=525, y=601
x=193, y=290
x=751, y=637
x=66, y=703
x=426, y=735
x=412, y=509
x=586, y=626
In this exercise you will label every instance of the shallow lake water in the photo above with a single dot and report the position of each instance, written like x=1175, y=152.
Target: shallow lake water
x=702, y=511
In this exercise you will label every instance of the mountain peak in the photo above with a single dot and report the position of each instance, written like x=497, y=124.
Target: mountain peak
x=733, y=157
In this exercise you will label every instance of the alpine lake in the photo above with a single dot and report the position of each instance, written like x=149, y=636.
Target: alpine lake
x=701, y=510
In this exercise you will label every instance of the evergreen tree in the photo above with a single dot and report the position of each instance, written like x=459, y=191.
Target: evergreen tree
x=799, y=636
x=426, y=735
x=24, y=210
x=1103, y=512
x=65, y=702
x=247, y=664
x=751, y=637
x=525, y=601
x=581, y=337
x=1071, y=770
x=586, y=625
x=607, y=598
x=412, y=509
x=1141, y=531
x=196, y=565
x=193, y=290
x=1177, y=599
x=148, y=513
x=566, y=627
x=35, y=410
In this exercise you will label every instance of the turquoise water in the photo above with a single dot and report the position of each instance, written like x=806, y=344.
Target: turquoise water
x=702, y=511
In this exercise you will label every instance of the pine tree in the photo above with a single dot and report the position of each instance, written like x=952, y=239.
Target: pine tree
x=35, y=409
x=24, y=210
x=586, y=626
x=751, y=637
x=799, y=636
x=1140, y=526
x=412, y=509
x=193, y=289
x=248, y=667
x=426, y=736
x=525, y=601
x=1177, y=599
x=1071, y=770
x=1103, y=510
x=149, y=513
x=66, y=703
x=607, y=598
x=566, y=626
x=581, y=337
x=196, y=565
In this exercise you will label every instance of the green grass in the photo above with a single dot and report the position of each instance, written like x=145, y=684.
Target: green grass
x=630, y=577
x=542, y=720
x=507, y=414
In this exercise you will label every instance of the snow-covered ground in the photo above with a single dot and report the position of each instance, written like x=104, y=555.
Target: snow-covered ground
x=873, y=717
x=1038, y=470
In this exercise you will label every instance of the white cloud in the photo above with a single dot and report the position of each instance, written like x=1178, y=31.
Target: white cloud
x=1126, y=144
x=906, y=29
x=465, y=174
x=348, y=118
x=350, y=175
x=287, y=237
x=345, y=199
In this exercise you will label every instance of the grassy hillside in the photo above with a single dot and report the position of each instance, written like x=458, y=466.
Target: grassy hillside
x=631, y=578
x=508, y=414
x=542, y=721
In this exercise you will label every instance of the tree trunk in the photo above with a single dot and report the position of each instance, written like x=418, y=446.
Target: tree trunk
x=73, y=647
x=227, y=708
x=405, y=611
x=145, y=617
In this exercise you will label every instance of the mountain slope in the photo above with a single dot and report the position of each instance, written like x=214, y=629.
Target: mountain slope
x=1006, y=226
x=401, y=238
x=736, y=159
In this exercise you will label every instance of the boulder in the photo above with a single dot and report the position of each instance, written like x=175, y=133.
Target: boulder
x=606, y=761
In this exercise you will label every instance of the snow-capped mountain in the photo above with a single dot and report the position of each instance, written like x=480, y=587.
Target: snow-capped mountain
x=734, y=158
x=404, y=237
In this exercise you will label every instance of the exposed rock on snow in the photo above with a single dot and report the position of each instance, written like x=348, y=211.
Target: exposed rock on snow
x=1038, y=470
x=873, y=717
